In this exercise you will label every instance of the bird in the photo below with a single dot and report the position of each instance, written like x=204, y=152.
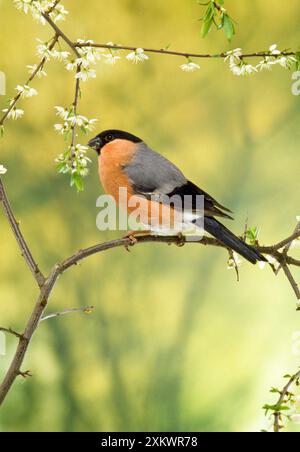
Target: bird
x=125, y=160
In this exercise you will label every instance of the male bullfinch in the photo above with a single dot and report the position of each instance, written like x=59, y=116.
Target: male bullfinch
x=126, y=161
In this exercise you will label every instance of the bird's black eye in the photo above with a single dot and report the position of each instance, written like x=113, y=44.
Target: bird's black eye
x=109, y=137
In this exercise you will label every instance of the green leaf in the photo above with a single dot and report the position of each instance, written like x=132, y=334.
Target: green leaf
x=228, y=26
x=275, y=391
x=252, y=234
x=206, y=26
x=1, y=131
x=77, y=181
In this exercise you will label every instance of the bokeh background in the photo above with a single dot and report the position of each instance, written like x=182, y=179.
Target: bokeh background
x=174, y=343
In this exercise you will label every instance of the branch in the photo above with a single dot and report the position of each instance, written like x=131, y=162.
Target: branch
x=25, y=251
x=58, y=269
x=177, y=53
x=60, y=33
x=289, y=244
x=292, y=282
x=10, y=331
x=75, y=104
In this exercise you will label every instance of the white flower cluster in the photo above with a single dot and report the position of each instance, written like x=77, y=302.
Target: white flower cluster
x=72, y=120
x=3, y=170
x=37, y=8
x=112, y=56
x=26, y=91
x=137, y=56
x=239, y=67
x=84, y=64
x=33, y=68
x=13, y=112
x=43, y=50
x=190, y=66
x=73, y=161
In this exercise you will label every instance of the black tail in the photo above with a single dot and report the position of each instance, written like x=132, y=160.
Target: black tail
x=220, y=232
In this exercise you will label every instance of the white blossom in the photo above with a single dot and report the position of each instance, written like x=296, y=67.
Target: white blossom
x=62, y=112
x=233, y=56
x=189, y=67
x=71, y=65
x=74, y=160
x=60, y=55
x=60, y=128
x=43, y=50
x=137, y=56
x=41, y=72
x=85, y=74
x=71, y=120
x=3, y=170
x=265, y=64
x=23, y=5
x=261, y=265
x=38, y=7
x=88, y=52
x=273, y=49
x=14, y=114
x=26, y=91
x=111, y=58
x=242, y=68
x=59, y=13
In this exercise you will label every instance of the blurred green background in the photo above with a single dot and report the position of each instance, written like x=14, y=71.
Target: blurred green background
x=175, y=343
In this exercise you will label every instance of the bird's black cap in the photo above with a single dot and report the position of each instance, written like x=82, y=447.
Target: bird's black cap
x=106, y=136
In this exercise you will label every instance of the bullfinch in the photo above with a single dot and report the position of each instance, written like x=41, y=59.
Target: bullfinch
x=125, y=161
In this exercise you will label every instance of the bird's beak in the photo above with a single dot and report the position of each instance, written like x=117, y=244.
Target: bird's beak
x=95, y=143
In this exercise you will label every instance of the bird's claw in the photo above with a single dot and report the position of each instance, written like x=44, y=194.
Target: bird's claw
x=132, y=241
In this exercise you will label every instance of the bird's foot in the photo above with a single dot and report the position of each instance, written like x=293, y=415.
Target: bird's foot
x=132, y=236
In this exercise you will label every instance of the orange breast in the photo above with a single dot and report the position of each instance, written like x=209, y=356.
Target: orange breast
x=114, y=156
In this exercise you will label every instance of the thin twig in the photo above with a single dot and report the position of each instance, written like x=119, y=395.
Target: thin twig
x=10, y=331
x=283, y=394
x=60, y=33
x=288, y=245
x=292, y=281
x=75, y=104
x=177, y=53
x=51, y=8
x=39, y=67
x=26, y=253
x=85, y=309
